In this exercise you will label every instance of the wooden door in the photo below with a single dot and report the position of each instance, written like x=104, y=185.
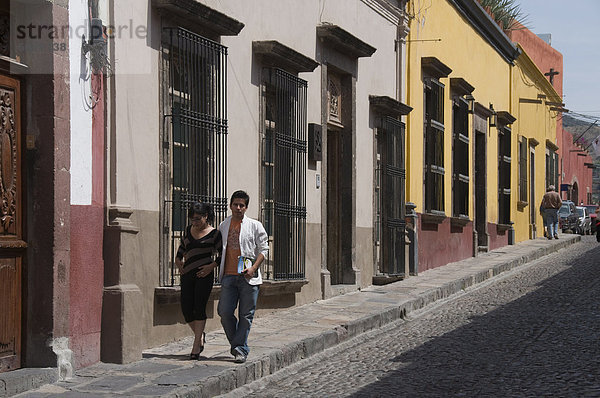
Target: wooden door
x=480, y=189
x=12, y=245
x=334, y=246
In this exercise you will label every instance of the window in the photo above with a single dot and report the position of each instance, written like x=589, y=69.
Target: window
x=504, y=164
x=284, y=156
x=552, y=168
x=523, y=147
x=460, y=157
x=434, y=146
x=194, y=132
x=390, y=178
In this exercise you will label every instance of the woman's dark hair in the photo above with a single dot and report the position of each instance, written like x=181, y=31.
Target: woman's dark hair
x=240, y=195
x=202, y=209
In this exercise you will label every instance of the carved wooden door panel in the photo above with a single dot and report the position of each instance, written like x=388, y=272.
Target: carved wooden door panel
x=12, y=245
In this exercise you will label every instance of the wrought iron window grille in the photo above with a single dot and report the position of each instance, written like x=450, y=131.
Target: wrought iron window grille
x=194, y=134
x=284, y=159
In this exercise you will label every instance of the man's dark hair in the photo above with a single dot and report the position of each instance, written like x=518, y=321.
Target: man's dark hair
x=240, y=195
x=202, y=209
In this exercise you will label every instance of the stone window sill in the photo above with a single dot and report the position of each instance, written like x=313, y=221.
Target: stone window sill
x=436, y=217
x=166, y=295
x=503, y=227
x=460, y=221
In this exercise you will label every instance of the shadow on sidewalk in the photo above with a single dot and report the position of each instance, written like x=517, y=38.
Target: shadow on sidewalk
x=544, y=343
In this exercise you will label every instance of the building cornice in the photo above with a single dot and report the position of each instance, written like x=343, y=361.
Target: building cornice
x=388, y=11
x=433, y=67
x=273, y=53
x=388, y=106
x=195, y=12
x=343, y=41
x=460, y=86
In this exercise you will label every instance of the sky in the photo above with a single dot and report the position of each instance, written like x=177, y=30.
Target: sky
x=575, y=29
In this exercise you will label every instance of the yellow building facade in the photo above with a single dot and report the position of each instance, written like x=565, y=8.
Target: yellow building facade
x=537, y=108
x=465, y=81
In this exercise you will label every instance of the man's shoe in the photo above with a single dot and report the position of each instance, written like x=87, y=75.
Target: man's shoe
x=239, y=358
x=549, y=238
x=555, y=236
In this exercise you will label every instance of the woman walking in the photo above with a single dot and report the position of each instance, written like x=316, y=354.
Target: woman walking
x=196, y=261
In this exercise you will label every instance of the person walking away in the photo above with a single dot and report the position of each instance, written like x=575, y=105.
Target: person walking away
x=200, y=243
x=551, y=202
x=245, y=246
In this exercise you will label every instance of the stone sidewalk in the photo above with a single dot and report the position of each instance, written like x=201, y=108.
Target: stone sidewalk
x=287, y=336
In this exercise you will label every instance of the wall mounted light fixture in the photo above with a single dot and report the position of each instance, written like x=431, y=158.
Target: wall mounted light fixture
x=493, y=116
x=470, y=103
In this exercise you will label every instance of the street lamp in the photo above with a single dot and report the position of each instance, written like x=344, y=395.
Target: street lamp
x=493, y=116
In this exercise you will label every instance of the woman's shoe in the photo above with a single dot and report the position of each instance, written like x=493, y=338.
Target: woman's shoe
x=195, y=357
x=203, y=341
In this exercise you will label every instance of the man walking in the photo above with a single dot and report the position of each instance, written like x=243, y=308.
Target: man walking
x=245, y=245
x=551, y=202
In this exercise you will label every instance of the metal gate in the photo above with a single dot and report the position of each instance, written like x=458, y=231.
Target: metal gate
x=391, y=176
x=284, y=170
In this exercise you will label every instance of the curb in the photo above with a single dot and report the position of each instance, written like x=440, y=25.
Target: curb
x=21, y=380
x=278, y=359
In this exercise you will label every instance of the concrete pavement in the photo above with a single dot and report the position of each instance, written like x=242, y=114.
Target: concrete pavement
x=284, y=337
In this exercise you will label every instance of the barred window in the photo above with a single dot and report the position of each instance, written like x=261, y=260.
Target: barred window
x=504, y=164
x=194, y=132
x=434, y=145
x=551, y=168
x=460, y=160
x=523, y=148
x=284, y=156
x=390, y=176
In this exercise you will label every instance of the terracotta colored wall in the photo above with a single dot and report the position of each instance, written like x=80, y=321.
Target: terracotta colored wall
x=544, y=55
x=574, y=169
x=440, y=244
x=87, y=266
x=496, y=240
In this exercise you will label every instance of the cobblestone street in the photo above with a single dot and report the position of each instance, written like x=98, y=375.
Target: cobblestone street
x=533, y=331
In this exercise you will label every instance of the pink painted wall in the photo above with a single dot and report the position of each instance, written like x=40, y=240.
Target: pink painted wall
x=440, y=244
x=574, y=169
x=496, y=240
x=87, y=264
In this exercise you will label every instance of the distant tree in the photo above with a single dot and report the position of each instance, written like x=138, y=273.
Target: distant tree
x=507, y=13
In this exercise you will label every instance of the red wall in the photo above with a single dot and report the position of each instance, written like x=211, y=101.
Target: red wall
x=495, y=239
x=574, y=169
x=440, y=244
x=87, y=265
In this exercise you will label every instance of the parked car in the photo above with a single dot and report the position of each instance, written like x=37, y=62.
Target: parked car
x=567, y=217
x=592, y=211
x=585, y=223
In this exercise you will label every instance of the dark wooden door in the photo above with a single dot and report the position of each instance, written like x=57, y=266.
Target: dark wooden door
x=480, y=189
x=12, y=244
x=334, y=216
